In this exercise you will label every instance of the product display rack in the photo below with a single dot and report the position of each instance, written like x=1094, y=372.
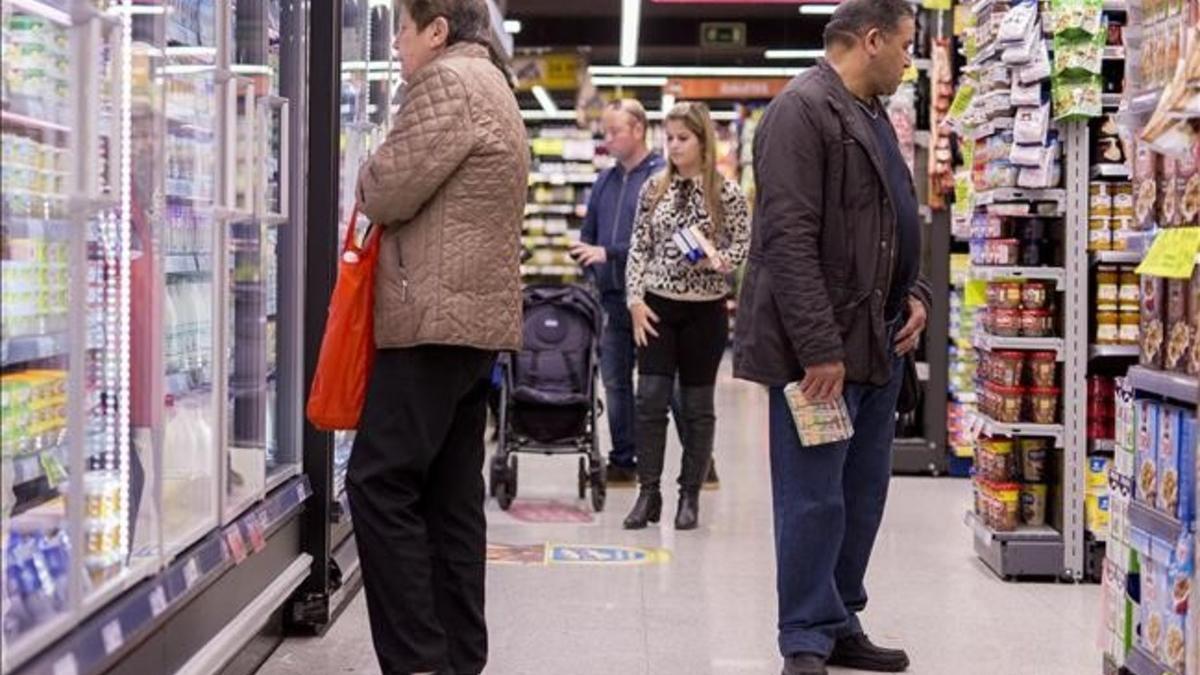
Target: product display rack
x=566, y=163
x=166, y=150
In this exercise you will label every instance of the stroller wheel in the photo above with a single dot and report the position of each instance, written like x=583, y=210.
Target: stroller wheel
x=599, y=488
x=497, y=473
x=512, y=475
x=583, y=478
x=503, y=496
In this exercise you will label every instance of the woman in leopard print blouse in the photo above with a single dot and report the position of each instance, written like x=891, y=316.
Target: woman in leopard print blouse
x=680, y=322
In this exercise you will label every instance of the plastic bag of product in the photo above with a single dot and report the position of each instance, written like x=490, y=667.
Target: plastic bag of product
x=1079, y=55
x=1026, y=94
x=1018, y=22
x=1023, y=52
x=1032, y=125
x=1039, y=68
x=1077, y=97
x=1076, y=16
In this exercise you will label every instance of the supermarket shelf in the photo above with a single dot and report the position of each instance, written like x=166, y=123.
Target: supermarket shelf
x=32, y=122
x=1110, y=171
x=1024, y=533
x=1113, y=351
x=1031, y=552
x=993, y=428
x=1103, y=445
x=1020, y=195
x=556, y=209
x=991, y=343
x=1154, y=522
x=563, y=178
x=43, y=9
x=995, y=273
x=24, y=349
x=1168, y=385
x=1140, y=662
x=1118, y=257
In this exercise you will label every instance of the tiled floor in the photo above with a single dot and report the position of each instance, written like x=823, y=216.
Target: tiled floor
x=710, y=608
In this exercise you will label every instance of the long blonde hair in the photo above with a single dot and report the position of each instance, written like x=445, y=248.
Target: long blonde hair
x=695, y=116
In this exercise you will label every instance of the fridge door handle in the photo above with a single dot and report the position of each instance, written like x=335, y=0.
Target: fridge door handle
x=283, y=105
x=234, y=164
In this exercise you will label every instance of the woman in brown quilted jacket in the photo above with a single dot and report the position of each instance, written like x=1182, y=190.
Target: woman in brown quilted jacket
x=448, y=186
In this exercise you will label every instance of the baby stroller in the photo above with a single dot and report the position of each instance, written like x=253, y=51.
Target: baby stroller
x=548, y=400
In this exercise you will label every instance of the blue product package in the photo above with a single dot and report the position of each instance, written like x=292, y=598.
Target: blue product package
x=1187, y=469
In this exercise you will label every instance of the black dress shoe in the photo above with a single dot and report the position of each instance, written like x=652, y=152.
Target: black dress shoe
x=804, y=664
x=687, y=517
x=621, y=476
x=859, y=653
x=711, y=481
x=647, y=509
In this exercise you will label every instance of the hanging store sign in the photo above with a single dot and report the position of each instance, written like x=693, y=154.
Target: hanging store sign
x=1173, y=254
x=551, y=71
x=736, y=89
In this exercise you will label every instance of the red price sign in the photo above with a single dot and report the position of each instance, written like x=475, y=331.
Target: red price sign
x=254, y=526
x=237, y=545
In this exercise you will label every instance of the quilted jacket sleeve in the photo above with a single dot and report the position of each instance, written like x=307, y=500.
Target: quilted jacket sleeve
x=432, y=135
x=788, y=159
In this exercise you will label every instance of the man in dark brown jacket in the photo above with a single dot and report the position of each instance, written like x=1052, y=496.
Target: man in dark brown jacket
x=832, y=299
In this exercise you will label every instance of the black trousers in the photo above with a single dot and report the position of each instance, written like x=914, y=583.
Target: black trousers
x=416, y=492
x=691, y=340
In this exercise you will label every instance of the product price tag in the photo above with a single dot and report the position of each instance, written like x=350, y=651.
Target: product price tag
x=191, y=573
x=113, y=636
x=943, y=5
x=963, y=197
x=158, y=602
x=255, y=529
x=66, y=665
x=1173, y=254
x=237, y=545
x=975, y=293
x=962, y=101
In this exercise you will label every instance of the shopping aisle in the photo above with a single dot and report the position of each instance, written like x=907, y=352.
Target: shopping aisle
x=710, y=608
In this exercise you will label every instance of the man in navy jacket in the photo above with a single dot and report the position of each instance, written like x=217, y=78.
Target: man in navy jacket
x=604, y=247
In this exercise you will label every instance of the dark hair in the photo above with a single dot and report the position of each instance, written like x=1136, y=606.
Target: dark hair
x=854, y=18
x=469, y=21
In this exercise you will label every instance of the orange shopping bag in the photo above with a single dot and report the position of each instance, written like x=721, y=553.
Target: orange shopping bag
x=348, y=347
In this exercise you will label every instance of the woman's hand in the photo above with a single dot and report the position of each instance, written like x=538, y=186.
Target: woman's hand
x=719, y=264
x=644, y=320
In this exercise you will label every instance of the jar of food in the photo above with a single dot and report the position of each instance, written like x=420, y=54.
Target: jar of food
x=1043, y=369
x=1043, y=405
x=1004, y=294
x=1033, y=453
x=1108, y=287
x=1036, y=294
x=1122, y=201
x=1009, y=514
x=1100, y=206
x=1130, y=292
x=1037, y=323
x=1130, y=328
x=1004, y=322
x=1006, y=368
x=996, y=460
x=1108, y=328
x=1006, y=402
x=1100, y=239
x=1033, y=504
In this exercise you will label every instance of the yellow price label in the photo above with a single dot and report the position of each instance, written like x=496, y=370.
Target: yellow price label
x=943, y=5
x=962, y=100
x=975, y=294
x=1173, y=254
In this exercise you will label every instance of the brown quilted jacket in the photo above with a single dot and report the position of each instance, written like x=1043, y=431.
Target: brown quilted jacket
x=449, y=183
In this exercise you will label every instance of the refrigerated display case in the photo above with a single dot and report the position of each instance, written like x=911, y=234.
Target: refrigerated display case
x=146, y=244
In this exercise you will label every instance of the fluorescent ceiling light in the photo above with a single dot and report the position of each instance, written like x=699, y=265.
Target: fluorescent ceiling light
x=695, y=71
x=512, y=26
x=817, y=9
x=539, y=92
x=776, y=54
x=631, y=20
x=629, y=81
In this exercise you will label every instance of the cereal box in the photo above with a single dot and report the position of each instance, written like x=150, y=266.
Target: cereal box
x=1193, y=310
x=1188, y=182
x=1153, y=579
x=1146, y=486
x=1167, y=497
x=1178, y=326
x=1152, y=331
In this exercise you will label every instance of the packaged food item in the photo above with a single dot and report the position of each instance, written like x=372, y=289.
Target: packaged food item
x=1130, y=291
x=1036, y=294
x=1108, y=287
x=1043, y=405
x=1153, y=578
x=1169, y=427
x=1004, y=294
x=1146, y=488
x=1006, y=368
x=1122, y=201
x=1100, y=238
x=1004, y=322
x=1033, y=504
x=1006, y=402
x=1187, y=467
x=818, y=423
x=1189, y=190
x=1033, y=454
x=1145, y=187
x=1008, y=516
x=1193, y=366
x=1108, y=328
x=1168, y=202
x=1097, y=514
x=996, y=460
x=1076, y=97
x=1152, y=335
x=1178, y=326
x=1031, y=125
x=1037, y=323
x=1043, y=369
x=1097, y=473
x=1130, y=327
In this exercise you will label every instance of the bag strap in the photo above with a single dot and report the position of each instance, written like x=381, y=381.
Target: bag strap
x=369, y=241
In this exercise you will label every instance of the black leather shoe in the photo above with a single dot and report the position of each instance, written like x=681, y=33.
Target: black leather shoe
x=647, y=509
x=859, y=653
x=804, y=664
x=687, y=517
x=621, y=476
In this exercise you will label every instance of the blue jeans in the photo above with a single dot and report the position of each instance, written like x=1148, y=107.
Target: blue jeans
x=617, y=361
x=828, y=502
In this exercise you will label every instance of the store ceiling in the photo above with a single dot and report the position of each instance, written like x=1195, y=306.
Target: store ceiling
x=670, y=32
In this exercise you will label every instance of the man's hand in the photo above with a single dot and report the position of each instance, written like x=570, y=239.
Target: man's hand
x=644, y=319
x=588, y=255
x=909, y=336
x=823, y=382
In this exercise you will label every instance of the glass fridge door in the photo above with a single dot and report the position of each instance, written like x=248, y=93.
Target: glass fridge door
x=176, y=127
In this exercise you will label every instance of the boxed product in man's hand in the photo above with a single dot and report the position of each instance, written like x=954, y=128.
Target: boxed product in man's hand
x=817, y=422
